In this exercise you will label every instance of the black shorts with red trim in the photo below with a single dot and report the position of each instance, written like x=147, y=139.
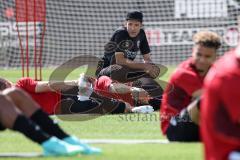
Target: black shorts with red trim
x=182, y=129
x=2, y=127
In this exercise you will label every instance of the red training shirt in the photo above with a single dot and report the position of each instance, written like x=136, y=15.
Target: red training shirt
x=178, y=94
x=220, y=110
x=48, y=101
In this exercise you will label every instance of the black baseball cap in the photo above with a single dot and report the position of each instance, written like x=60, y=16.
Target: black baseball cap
x=135, y=15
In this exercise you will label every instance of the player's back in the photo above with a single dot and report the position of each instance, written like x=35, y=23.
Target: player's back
x=220, y=111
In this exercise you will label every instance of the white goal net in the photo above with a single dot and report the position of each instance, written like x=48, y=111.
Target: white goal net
x=83, y=27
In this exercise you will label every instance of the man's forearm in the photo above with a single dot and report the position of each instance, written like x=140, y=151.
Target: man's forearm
x=132, y=64
x=46, y=86
x=63, y=85
x=121, y=60
x=119, y=88
x=193, y=111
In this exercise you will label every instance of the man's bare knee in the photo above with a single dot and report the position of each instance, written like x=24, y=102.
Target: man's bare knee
x=3, y=100
x=15, y=93
x=7, y=108
x=17, y=96
x=22, y=100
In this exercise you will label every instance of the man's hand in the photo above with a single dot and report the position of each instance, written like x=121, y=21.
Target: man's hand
x=143, y=96
x=197, y=94
x=152, y=70
x=140, y=94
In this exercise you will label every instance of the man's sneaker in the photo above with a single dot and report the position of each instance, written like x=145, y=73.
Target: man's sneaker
x=143, y=109
x=87, y=149
x=57, y=147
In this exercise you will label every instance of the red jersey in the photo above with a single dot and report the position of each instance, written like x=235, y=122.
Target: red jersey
x=220, y=111
x=48, y=101
x=178, y=94
x=102, y=85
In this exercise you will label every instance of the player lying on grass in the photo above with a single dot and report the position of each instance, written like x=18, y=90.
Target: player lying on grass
x=19, y=112
x=61, y=97
x=106, y=87
x=220, y=111
x=112, y=96
x=185, y=84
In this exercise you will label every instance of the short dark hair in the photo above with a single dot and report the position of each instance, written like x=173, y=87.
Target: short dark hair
x=3, y=84
x=135, y=15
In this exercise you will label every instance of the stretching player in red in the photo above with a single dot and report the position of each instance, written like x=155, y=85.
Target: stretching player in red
x=53, y=95
x=184, y=85
x=107, y=87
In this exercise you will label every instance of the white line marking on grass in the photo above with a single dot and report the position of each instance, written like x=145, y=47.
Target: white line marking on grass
x=126, y=141
x=21, y=155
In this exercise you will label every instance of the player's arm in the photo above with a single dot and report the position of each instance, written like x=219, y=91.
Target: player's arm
x=121, y=60
x=149, y=68
x=197, y=93
x=154, y=70
x=193, y=107
x=119, y=88
x=193, y=110
x=137, y=93
x=147, y=58
x=46, y=86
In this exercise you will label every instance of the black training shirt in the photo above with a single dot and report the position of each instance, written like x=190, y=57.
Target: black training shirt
x=122, y=42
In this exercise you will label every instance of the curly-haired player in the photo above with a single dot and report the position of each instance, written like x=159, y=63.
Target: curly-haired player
x=185, y=84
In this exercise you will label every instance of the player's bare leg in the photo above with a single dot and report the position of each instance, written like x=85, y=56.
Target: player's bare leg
x=22, y=100
x=32, y=110
x=8, y=112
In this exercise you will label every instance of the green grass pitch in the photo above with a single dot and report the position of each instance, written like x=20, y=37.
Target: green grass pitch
x=130, y=126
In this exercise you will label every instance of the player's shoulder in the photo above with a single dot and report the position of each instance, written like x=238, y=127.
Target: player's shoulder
x=182, y=74
x=120, y=34
x=142, y=34
x=25, y=79
x=225, y=69
x=120, y=30
x=229, y=59
x=185, y=71
x=227, y=65
x=142, y=31
x=25, y=82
